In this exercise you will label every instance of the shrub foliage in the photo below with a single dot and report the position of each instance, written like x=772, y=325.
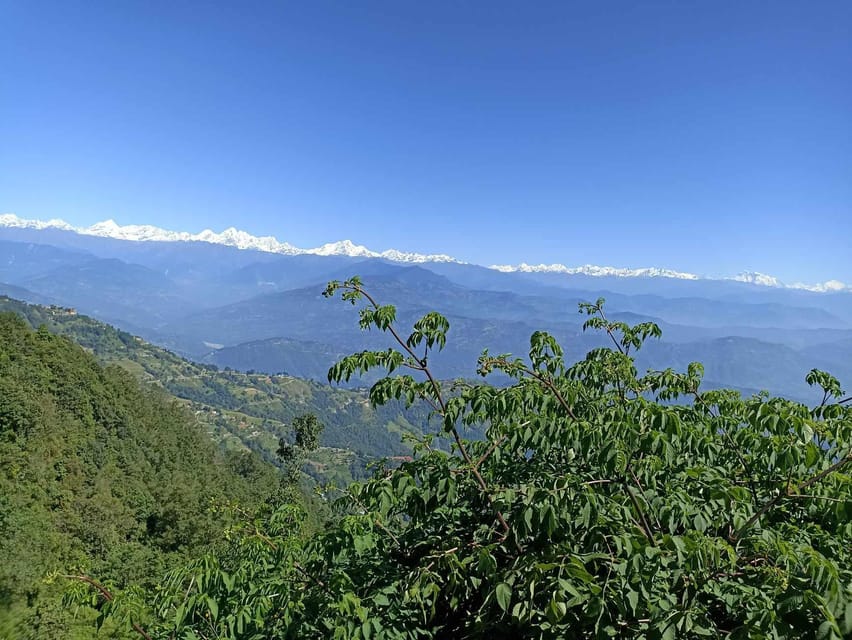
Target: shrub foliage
x=601, y=503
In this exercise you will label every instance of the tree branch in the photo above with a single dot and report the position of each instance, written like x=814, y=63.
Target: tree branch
x=772, y=503
x=106, y=595
x=645, y=526
x=443, y=406
x=547, y=382
x=609, y=331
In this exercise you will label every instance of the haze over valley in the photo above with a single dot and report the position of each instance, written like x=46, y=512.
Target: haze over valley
x=258, y=307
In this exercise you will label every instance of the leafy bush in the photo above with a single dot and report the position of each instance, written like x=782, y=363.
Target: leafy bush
x=601, y=504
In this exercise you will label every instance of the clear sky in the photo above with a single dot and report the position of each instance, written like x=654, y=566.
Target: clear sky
x=712, y=137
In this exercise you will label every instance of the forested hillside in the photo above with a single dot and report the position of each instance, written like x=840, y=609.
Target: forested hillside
x=248, y=411
x=99, y=476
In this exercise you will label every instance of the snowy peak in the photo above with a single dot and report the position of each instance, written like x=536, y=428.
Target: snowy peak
x=593, y=270
x=11, y=220
x=755, y=277
x=417, y=258
x=349, y=248
x=829, y=285
x=344, y=248
x=749, y=277
x=233, y=237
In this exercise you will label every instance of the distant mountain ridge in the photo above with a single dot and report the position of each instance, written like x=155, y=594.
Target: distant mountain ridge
x=233, y=237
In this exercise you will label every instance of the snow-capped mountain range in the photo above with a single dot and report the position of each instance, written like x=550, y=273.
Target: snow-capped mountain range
x=230, y=237
x=593, y=270
x=233, y=237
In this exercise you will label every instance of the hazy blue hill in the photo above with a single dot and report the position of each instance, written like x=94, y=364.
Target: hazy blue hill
x=745, y=363
x=288, y=272
x=22, y=260
x=837, y=303
x=723, y=290
x=278, y=355
x=268, y=313
x=702, y=312
x=61, y=239
x=155, y=255
x=113, y=289
x=19, y=293
x=196, y=270
x=418, y=286
x=301, y=314
x=212, y=275
x=499, y=321
x=478, y=277
x=305, y=314
x=837, y=355
x=741, y=362
x=795, y=338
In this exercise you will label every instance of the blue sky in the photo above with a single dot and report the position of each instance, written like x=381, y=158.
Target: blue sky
x=711, y=137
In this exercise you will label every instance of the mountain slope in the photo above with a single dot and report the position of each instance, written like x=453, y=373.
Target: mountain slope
x=242, y=410
x=22, y=260
x=98, y=475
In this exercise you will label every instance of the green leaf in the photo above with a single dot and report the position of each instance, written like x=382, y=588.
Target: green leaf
x=633, y=600
x=503, y=592
x=213, y=607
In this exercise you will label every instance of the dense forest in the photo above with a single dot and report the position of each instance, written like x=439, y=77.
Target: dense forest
x=601, y=502
x=99, y=477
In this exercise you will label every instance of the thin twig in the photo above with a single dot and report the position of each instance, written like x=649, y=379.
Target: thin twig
x=311, y=577
x=642, y=489
x=491, y=448
x=549, y=384
x=377, y=522
x=609, y=330
x=829, y=498
x=645, y=527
